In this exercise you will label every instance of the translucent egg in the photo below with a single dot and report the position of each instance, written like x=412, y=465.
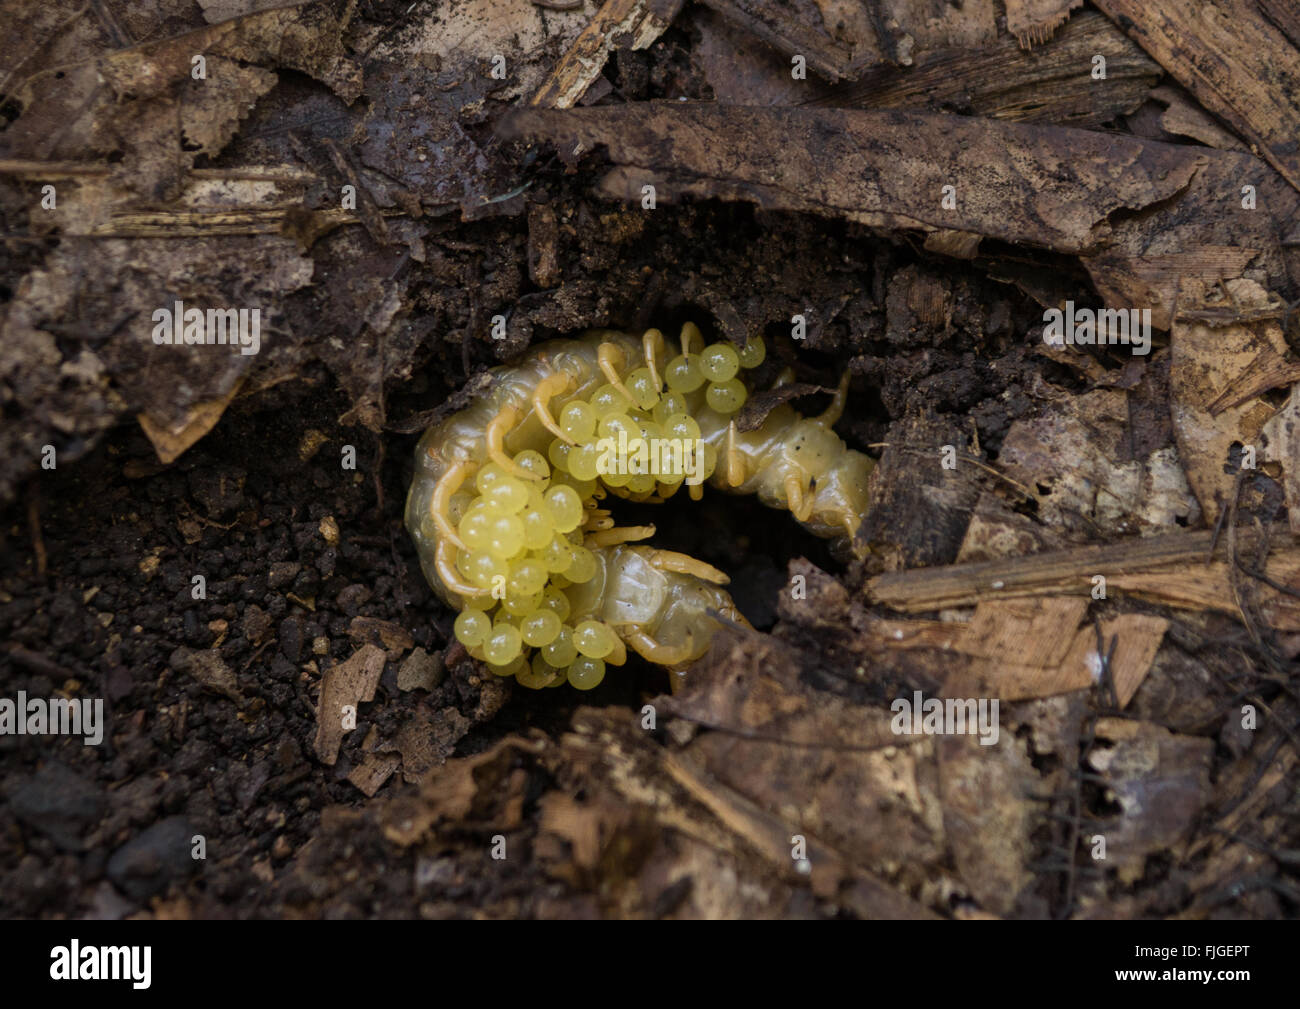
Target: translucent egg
x=515, y=607
x=607, y=400
x=556, y=601
x=561, y=651
x=586, y=673
x=487, y=476
x=476, y=527
x=728, y=396
x=578, y=420
x=503, y=645
x=669, y=405
x=615, y=424
x=507, y=495
x=532, y=462
x=540, y=627
x=527, y=577
x=753, y=353
x=584, y=462
x=681, y=425
x=583, y=566
x=506, y=537
x=472, y=627
x=539, y=527
x=616, y=477
x=565, y=508
x=593, y=639
x=719, y=362
x=481, y=568
x=558, y=452
x=642, y=386
x=557, y=555
x=642, y=483
x=683, y=374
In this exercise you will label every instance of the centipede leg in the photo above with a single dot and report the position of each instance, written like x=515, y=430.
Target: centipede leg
x=653, y=651
x=832, y=413
x=597, y=518
x=548, y=387
x=615, y=536
x=653, y=345
x=440, y=502
x=450, y=576
x=735, y=459
x=690, y=333
x=611, y=359
x=685, y=564
x=495, y=436
x=801, y=504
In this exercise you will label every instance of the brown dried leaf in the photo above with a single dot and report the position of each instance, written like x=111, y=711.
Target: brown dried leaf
x=1234, y=59
x=886, y=169
x=345, y=684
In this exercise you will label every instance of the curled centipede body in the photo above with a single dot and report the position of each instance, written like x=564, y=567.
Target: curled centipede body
x=505, y=507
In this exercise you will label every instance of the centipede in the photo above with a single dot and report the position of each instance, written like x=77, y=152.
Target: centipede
x=508, y=504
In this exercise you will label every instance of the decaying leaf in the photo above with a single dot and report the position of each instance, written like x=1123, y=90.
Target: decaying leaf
x=1218, y=376
x=344, y=686
x=887, y=169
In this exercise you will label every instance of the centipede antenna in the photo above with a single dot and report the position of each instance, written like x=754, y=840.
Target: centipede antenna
x=440, y=501
x=685, y=564
x=611, y=359
x=735, y=460
x=450, y=576
x=690, y=332
x=653, y=345
x=550, y=386
x=624, y=534
x=832, y=413
x=495, y=436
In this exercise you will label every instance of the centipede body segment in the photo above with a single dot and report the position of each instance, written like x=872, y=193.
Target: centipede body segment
x=506, y=504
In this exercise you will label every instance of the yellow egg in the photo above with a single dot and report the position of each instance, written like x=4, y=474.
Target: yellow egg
x=472, y=627
x=593, y=639
x=540, y=627
x=719, y=362
x=726, y=397
x=586, y=673
x=753, y=353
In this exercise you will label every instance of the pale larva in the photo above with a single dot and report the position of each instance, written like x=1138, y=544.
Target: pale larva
x=504, y=507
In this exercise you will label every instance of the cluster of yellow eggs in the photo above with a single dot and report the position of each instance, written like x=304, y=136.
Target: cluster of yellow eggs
x=523, y=534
